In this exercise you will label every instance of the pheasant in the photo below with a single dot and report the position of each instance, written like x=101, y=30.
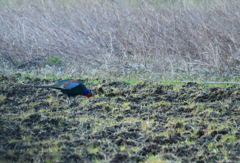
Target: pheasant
x=70, y=87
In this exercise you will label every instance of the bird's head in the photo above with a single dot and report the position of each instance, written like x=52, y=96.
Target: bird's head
x=87, y=93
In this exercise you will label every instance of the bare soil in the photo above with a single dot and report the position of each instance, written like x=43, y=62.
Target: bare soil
x=123, y=122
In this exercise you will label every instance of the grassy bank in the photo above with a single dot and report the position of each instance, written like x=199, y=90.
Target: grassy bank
x=184, y=40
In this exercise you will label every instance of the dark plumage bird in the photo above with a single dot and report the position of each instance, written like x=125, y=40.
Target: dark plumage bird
x=70, y=87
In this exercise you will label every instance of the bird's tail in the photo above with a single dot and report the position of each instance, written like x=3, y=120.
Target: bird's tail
x=38, y=86
x=44, y=86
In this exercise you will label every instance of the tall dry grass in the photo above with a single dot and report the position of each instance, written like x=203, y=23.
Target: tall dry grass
x=170, y=39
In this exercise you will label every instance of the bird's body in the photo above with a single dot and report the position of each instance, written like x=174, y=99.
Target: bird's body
x=69, y=87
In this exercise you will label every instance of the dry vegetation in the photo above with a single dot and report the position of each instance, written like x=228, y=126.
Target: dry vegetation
x=132, y=38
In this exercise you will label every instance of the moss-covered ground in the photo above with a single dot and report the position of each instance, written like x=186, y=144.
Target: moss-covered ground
x=123, y=122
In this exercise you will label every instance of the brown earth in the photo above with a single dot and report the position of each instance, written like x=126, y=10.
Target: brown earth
x=123, y=122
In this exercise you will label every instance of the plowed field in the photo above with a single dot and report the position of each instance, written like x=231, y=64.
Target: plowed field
x=123, y=122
